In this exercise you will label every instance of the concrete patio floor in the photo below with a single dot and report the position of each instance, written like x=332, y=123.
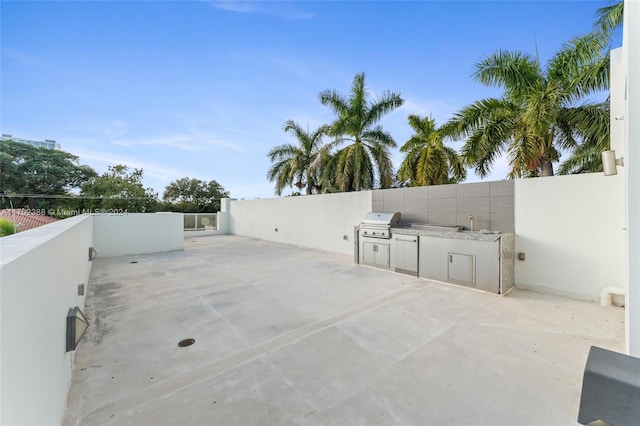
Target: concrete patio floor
x=285, y=335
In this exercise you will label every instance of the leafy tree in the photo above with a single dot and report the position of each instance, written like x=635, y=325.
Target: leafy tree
x=27, y=170
x=537, y=115
x=428, y=161
x=7, y=227
x=365, y=162
x=119, y=188
x=297, y=164
x=194, y=195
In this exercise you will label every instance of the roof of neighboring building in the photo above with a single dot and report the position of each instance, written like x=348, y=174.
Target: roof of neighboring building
x=47, y=143
x=26, y=220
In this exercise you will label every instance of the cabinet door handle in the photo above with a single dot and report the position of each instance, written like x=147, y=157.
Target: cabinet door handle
x=450, y=259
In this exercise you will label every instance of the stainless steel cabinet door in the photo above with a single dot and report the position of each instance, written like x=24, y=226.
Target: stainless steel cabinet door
x=462, y=268
x=405, y=254
x=375, y=254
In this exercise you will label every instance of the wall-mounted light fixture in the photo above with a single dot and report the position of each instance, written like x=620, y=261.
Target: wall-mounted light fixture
x=92, y=253
x=77, y=325
x=610, y=163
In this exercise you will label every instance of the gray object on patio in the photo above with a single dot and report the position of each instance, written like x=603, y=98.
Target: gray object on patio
x=610, y=388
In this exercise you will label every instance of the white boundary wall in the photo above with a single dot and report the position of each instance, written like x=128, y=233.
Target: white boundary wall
x=324, y=222
x=138, y=233
x=40, y=270
x=571, y=230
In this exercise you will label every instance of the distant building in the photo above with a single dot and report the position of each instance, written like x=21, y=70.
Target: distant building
x=25, y=220
x=47, y=143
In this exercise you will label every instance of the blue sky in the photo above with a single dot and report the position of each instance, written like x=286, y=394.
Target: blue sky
x=202, y=88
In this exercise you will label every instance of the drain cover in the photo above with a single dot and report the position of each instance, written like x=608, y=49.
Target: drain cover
x=186, y=342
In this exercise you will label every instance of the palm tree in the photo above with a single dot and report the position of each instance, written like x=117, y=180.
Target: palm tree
x=365, y=162
x=609, y=18
x=592, y=123
x=586, y=158
x=297, y=165
x=428, y=161
x=537, y=115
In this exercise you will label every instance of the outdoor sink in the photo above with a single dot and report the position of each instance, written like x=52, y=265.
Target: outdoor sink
x=444, y=228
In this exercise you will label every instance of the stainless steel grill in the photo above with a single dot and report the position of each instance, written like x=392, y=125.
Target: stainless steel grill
x=378, y=225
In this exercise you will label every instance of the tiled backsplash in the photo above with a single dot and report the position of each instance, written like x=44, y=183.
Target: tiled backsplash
x=490, y=203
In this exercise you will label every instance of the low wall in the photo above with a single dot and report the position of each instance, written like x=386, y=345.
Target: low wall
x=138, y=233
x=570, y=229
x=40, y=270
x=324, y=222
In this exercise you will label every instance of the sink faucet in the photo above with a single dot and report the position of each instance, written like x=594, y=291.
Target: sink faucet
x=471, y=219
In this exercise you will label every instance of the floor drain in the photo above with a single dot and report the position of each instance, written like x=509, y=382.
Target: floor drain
x=186, y=342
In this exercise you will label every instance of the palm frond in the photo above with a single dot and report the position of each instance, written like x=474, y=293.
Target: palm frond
x=334, y=100
x=581, y=66
x=584, y=160
x=475, y=116
x=384, y=104
x=610, y=17
x=457, y=171
x=384, y=166
x=515, y=72
x=590, y=123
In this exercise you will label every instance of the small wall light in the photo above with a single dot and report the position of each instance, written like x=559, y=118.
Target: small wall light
x=610, y=162
x=77, y=325
x=92, y=253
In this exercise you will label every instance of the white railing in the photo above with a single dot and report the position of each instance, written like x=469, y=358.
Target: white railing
x=200, y=221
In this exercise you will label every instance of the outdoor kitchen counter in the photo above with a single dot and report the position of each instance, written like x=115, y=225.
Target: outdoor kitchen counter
x=476, y=259
x=457, y=235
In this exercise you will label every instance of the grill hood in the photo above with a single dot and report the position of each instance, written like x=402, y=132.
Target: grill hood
x=381, y=219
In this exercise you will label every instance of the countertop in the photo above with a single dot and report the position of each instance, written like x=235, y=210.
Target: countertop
x=458, y=235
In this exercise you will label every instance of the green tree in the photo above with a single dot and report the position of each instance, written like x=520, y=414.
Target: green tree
x=119, y=188
x=194, y=195
x=297, y=164
x=7, y=227
x=365, y=163
x=538, y=113
x=428, y=161
x=29, y=171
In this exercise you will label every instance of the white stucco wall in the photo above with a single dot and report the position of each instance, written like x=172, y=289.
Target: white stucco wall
x=631, y=171
x=138, y=233
x=571, y=231
x=40, y=270
x=617, y=88
x=323, y=222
